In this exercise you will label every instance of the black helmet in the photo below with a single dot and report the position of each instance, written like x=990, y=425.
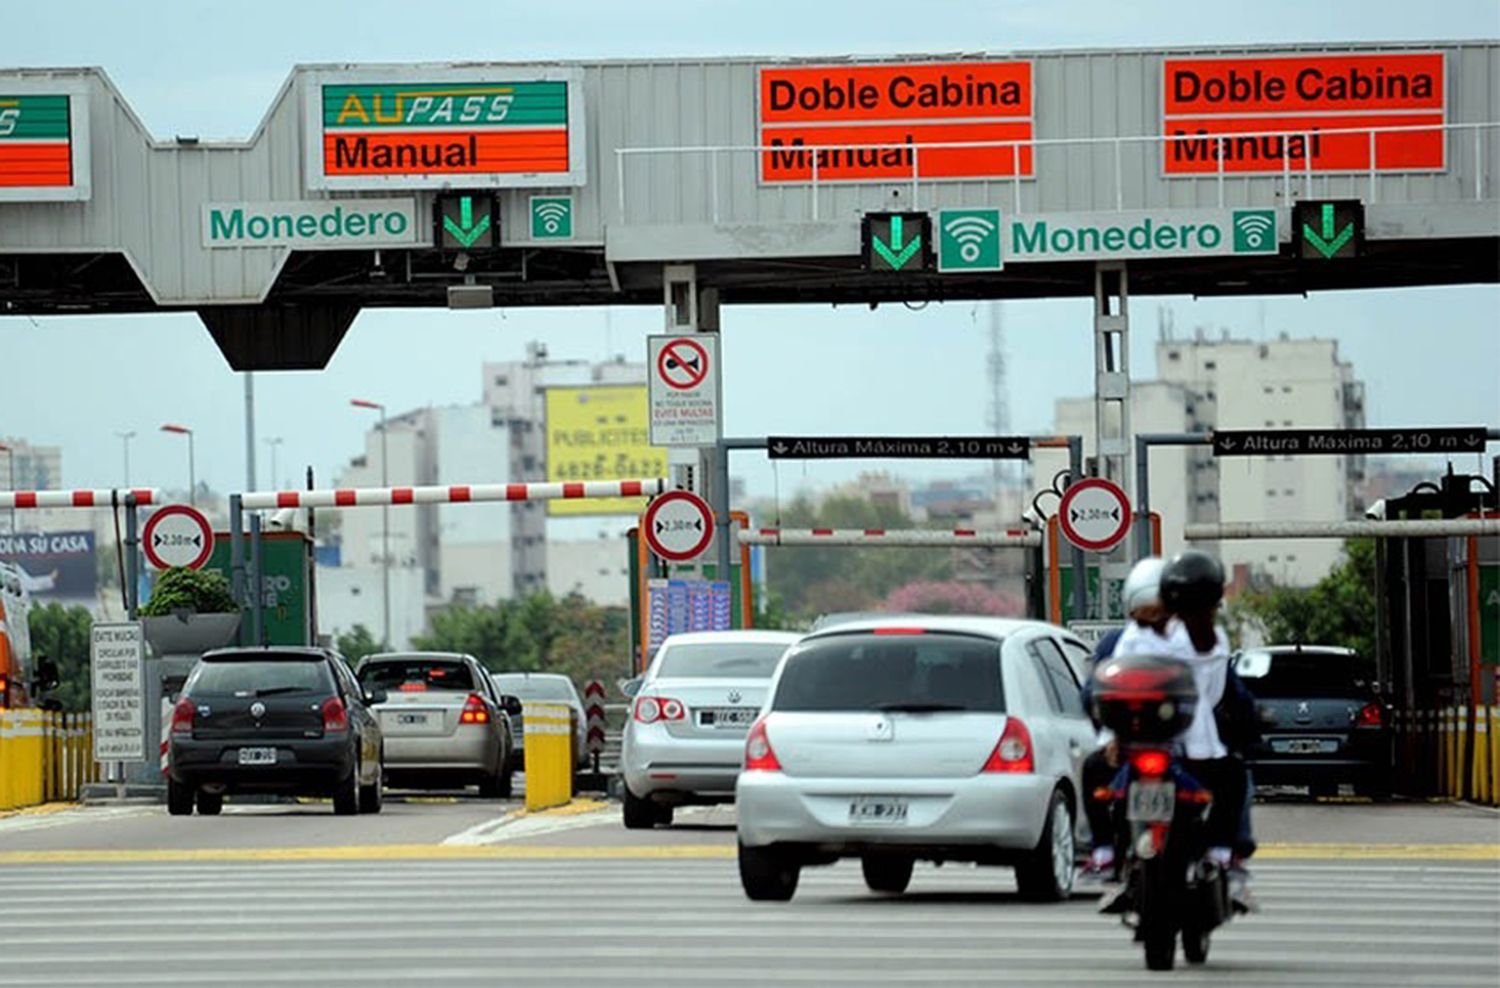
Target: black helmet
x=1192, y=581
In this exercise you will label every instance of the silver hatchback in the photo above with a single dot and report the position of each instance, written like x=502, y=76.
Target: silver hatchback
x=685, y=737
x=943, y=739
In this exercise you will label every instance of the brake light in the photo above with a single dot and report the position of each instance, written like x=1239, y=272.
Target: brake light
x=413, y=687
x=650, y=709
x=1370, y=715
x=1151, y=763
x=758, y=754
x=475, y=712
x=900, y=631
x=182, y=716
x=1013, y=752
x=335, y=717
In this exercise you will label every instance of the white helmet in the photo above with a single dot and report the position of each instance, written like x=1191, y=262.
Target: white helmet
x=1143, y=585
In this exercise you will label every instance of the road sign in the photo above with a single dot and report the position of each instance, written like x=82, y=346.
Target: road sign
x=899, y=447
x=684, y=388
x=177, y=535
x=969, y=240
x=1329, y=230
x=116, y=652
x=896, y=241
x=678, y=525
x=551, y=217
x=1094, y=514
x=1090, y=632
x=466, y=221
x=593, y=710
x=1348, y=442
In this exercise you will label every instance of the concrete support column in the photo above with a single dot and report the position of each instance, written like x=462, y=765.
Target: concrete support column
x=1112, y=433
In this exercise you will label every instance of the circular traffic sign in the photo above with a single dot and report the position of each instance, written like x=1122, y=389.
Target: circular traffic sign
x=1094, y=514
x=678, y=526
x=682, y=364
x=177, y=535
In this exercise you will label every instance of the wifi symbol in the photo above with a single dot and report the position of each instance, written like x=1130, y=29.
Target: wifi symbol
x=552, y=214
x=1254, y=228
x=971, y=233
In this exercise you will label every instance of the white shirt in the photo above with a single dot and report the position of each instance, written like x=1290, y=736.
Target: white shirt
x=1210, y=675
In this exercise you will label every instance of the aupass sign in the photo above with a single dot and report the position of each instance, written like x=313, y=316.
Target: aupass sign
x=440, y=128
x=325, y=225
x=1141, y=234
x=43, y=141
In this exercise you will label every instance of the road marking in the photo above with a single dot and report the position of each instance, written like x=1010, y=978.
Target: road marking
x=1372, y=852
x=514, y=826
x=70, y=814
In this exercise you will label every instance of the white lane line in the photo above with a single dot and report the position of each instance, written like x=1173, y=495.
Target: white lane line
x=518, y=826
x=25, y=822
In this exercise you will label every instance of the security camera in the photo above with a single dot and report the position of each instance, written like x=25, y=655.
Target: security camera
x=1376, y=511
x=285, y=520
x=1029, y=516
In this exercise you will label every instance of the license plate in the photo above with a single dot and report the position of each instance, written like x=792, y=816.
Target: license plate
x=883, y=810
x=411, y=718
x=1305, y=746
x=727, y=716
x=1151, y=802
x=257, y=756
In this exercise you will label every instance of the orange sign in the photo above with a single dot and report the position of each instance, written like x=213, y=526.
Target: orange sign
x=863, y=123
x=1325, y=113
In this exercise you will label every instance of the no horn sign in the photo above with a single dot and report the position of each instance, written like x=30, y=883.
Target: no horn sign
x=685, y=395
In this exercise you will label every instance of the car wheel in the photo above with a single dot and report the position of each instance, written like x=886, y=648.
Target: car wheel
x=346, y=794
x=210, y=803
x=372, y=797
x=1376, y=789
x=768, y=875
x=887, y=872
x=497, y=786
x=642, y=814
x=1046, y=873
x=1323, y=790
x=179, y=798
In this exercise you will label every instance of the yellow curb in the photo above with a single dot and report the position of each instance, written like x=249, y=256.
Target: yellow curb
x=41, y=809
x=577, y=807
x=1380, y=852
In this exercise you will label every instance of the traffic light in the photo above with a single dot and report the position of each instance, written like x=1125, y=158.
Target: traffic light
x=1329, y=229
x=466, y=221
x=896, y=242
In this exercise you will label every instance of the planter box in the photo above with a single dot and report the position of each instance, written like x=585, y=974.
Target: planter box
x=187, y=633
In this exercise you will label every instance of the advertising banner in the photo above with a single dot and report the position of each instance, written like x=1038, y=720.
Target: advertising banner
x=43, y=141
x=58, y=566
x=599, y=433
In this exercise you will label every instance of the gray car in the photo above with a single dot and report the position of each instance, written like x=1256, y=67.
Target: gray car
x=544, y=687
x=444, y=722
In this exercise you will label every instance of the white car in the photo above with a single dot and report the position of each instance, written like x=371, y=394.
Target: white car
x=933, y=738
x=685, y=737
x=544, y=687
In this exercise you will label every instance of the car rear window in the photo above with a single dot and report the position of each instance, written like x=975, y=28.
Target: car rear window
x=1301, y=674
x=230, y=676
x=721, y=660
x=528, y=688
x=875, y=672
x=416, y=675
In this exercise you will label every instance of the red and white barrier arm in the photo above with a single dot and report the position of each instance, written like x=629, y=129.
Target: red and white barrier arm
x=911, y=538
x=1415, y=528
x=144, y=496
x=361, y=497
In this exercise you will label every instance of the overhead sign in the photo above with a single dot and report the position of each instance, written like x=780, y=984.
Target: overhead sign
x=969, y=240
x=311, y=225
x=1143, y=234
x=678, y=526
x=432, y=128
x=177, y=535
x=899, y=447
x=896, y=241
x=44, y=141
x=465, y=221
x=1094, y=514
x=116, y=652
x=1329, y=230
x=1347, y=442
x=873, y=123
x=599, y=433
x=685, y=390
x=1268, y=113
x=551, y=217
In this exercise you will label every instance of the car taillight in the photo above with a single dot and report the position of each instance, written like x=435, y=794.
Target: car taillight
x=1013, y=752
x=758, y=754
x=1151, y=763
x=182, y=716
x=335, y=717
x=650, y=709
x=1369, y=716
x=475, y=712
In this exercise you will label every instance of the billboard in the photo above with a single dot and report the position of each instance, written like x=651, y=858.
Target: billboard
x=1304, y=112
x=44, y=141
x=56, y=566
x=869, y=123
x=440, y=128
x=600, y=432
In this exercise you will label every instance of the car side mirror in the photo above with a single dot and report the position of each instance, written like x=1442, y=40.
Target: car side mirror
x=511, y=705
x=376, y=696
x=631, y=687
x=47, y=676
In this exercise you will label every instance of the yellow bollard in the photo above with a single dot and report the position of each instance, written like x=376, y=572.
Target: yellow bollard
x=549, y=766
x=1494, y=720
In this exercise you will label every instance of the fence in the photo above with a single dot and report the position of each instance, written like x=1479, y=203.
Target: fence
x=44, y=756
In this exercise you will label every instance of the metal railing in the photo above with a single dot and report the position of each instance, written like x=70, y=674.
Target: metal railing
x=1306, y=171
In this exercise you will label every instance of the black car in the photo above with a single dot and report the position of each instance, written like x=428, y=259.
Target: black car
x=1324, y=725
x=274, y=720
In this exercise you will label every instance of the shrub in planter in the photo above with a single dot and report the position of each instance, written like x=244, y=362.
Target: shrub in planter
x=195, y=590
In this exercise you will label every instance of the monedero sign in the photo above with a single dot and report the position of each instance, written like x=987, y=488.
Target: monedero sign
x=44, y=143
x=441, y=128
x=312, y=225
x=1138, y=234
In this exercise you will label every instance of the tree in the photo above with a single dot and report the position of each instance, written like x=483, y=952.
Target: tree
x=357, y=643
x=1338, y=610
x=952, y=597
x=65, y=635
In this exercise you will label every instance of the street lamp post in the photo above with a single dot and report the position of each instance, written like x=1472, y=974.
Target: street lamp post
x=273, y=442
x=10, y=454
x=385, y=519
x=125, y=438
x=183, y=430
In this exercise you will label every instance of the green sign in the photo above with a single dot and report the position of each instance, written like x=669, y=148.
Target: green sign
x=1329, y=230
x=551, y=217
x=285, y=561
x=1114, y=603
x=1138, y=233
x=1489, y=614
x=969, y=240
x=897, y=241
x=311, y=225
x=467, y=222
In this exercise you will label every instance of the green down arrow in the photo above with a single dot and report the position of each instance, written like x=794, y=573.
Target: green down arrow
x=1327, y=244
x=894, y=255
x=466, y=231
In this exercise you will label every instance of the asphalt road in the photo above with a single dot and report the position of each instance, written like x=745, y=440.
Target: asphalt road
x=473, y=892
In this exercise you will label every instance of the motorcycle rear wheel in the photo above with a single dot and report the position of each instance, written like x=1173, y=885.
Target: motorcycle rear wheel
x=1158, y=912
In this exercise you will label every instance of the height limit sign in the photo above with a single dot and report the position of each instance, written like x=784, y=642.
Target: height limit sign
x=685, y=390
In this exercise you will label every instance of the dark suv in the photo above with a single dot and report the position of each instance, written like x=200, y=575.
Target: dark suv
x=274, y=720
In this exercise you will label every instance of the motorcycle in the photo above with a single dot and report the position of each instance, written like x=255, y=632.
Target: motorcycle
x=1159, y=810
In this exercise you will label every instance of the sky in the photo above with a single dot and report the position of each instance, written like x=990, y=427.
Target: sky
x=1428, y=356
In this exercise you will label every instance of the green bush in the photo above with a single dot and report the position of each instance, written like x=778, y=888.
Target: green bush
x=199, y=591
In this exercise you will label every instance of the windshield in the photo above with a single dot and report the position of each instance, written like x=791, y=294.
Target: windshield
x=259, y=676
x=535, y=688
x=721, y=660
x=416, y=675
x=1299, y=674
x=929, y=672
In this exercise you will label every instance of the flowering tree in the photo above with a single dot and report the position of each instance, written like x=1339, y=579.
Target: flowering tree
x=952, y=597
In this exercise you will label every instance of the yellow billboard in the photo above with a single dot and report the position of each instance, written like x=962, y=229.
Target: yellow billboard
x=600, y=432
